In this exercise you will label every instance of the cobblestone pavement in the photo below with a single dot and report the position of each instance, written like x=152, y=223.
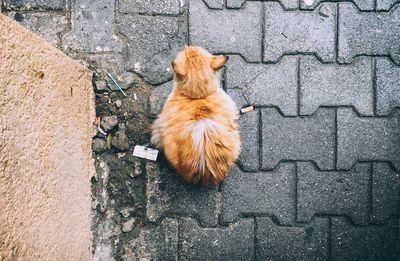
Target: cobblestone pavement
x=319, y=173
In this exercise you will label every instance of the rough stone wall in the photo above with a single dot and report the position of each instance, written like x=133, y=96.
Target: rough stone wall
x=46, y=126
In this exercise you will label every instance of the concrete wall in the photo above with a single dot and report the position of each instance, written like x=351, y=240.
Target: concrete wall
x=46, y=128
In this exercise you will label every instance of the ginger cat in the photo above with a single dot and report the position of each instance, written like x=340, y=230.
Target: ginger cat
x=197, y=127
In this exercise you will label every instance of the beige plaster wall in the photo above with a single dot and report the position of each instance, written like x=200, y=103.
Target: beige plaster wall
x=46, y=128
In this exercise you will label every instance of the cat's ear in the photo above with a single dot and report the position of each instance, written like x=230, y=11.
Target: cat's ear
x=179, y=69
x=217, y=62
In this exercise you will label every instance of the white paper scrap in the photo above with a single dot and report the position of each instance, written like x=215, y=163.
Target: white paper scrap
x=145, y=152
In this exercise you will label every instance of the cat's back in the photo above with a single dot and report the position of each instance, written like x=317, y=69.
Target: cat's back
x=183, y=110
x=201, y=136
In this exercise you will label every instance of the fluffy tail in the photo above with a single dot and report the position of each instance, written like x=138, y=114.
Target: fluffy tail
x=209, y=156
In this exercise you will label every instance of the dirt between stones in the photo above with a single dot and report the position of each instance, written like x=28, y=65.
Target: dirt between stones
x=118, y=190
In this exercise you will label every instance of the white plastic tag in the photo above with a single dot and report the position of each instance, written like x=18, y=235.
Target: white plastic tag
x=145, y=152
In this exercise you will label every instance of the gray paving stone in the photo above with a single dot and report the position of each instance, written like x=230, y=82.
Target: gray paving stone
x=249, y=136
x=298, y=138
x=35, y=4
x=171, y=7
x=114, y=64
x=92, y=27
x=333, y=193
x=270, y=193
x=385, y=192
x=336, y=85
x=235, y=4
x=367, y=33
x=153, y=42
x=237, y=96
x=167, y=194
x=158, y=97
x=387, y=86
x=215, y=4
x=292, y=243
x=227, y=31
x=49, y=26
x=235, y=242
x=365, y=5
x=385, y=5
x=156, y=243
x=293, y=32
x=289, y=4
x=364, y=243
x=265, y=84
x=366, y=138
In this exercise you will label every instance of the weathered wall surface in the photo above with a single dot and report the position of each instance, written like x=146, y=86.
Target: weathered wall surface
x=46, y=128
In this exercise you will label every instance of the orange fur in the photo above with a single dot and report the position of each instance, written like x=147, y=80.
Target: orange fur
x=197, y=127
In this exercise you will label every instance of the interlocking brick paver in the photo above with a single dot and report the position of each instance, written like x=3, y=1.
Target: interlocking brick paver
x=92, y=27
x=36, y=4
x=385, y=192
x=153, y=41
x=49, y=26
x=368, y=33
x=336, y=85
x=157, y=243
x=249, y=136
x=292, y=32
x=215, y=4
x=158, y=97
x=350, y=242
x=387, y=86
x=385, y=5
x=289, y=4
x=333, y=192
x=235, y=3
x=269, y=193
x=303, y=138
x=364, y=5
x=367, y=138
x=235, y=242
x=167, y=193
x=114, y=64
x=265, y=84
x=147, y=7
x=292, y=243
x=249, y=133
x=227, y=31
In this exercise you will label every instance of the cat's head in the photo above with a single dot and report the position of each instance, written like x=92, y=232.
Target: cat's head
x=195, y=71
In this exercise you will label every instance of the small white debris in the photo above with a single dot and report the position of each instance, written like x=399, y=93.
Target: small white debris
x=125, y=212
x=309, y=2
x=145, y=152
x=137, y=66
x=129, y=225
x=247, y=109
x=101, y=131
